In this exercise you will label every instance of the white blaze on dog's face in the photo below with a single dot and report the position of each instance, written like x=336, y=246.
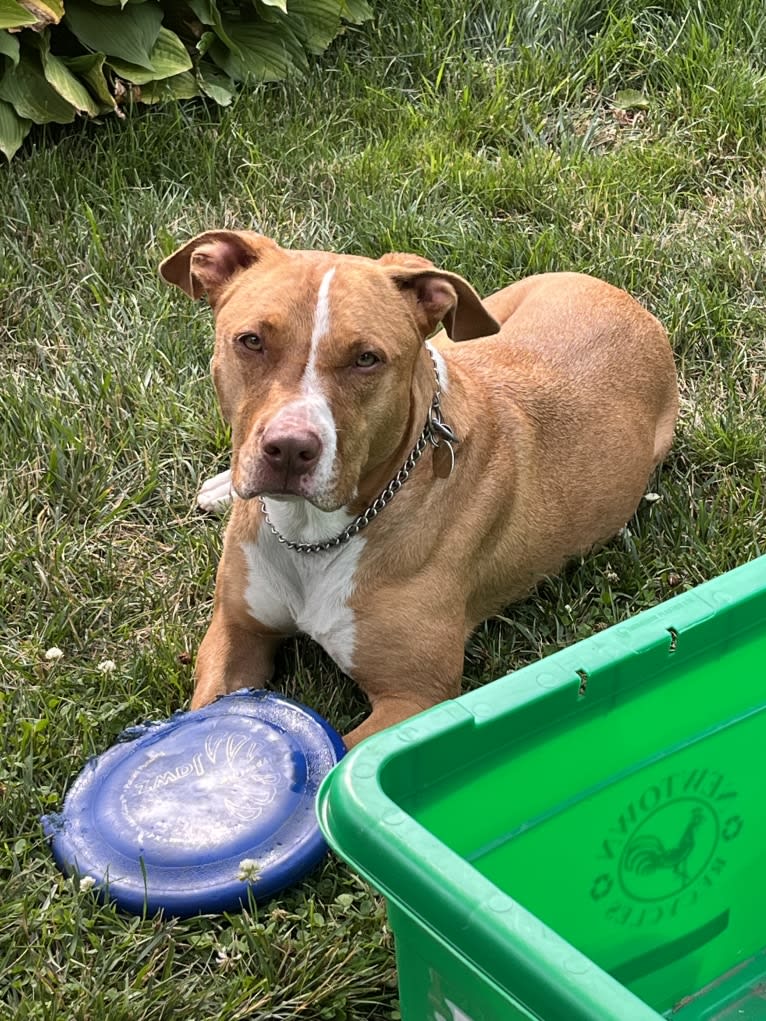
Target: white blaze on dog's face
x=322, y=395
x=315, y=357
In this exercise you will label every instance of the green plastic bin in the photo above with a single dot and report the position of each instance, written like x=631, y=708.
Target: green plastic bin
x=585, y=838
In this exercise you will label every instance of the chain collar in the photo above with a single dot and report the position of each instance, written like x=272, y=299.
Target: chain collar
x=436, y=432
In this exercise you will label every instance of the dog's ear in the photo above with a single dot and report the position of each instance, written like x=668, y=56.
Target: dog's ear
x=440, y=297
x=205, y=264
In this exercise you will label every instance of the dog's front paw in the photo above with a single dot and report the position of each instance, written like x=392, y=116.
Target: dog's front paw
x=216, y=493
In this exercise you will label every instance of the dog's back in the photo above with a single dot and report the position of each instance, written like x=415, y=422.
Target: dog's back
x=569, y=409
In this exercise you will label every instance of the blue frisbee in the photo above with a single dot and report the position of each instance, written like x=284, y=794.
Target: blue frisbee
x=188, y=815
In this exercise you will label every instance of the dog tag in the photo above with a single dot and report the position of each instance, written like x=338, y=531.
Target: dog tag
x=443, y=460
x=444, y=441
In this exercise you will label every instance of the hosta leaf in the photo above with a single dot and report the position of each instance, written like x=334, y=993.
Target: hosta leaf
x=208, y=13
x=13, y=129
x=9, y=46
x=269, y=52
x=90, y=68
x=180, y=86
x=215, y=86
x=269, y=13
x=205, y=10
x=46, y=12
x=68, y=86
x=128, y=34
x=355, y=11
x=13, y=15
x=281, y=4
x=168, y=57
x=31, y=96
x=131, y=72
x=206, y=40
x=317, y=22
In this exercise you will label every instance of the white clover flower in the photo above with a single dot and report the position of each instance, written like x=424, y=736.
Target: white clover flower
x=652, y=497
x=107, y=666
x=87, y=882
x=249, y=870
x=225, y=959
x=53, y=653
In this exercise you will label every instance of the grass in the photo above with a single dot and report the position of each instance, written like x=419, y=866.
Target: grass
x=481, y=134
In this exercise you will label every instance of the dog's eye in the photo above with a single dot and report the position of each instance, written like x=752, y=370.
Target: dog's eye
x=251, y=341
x=366, y=360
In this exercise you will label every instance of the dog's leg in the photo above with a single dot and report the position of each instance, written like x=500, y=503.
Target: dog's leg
x=232, y=657
x=385, y=713
x=419, y=665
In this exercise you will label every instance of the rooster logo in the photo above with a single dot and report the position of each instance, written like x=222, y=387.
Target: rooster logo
x=669, y=850
x=646, y=854
x=669, y=844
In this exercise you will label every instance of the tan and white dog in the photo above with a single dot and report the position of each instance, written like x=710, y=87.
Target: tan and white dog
x=508, y=454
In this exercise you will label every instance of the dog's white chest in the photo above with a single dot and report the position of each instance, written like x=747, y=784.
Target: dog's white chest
x=290, y=591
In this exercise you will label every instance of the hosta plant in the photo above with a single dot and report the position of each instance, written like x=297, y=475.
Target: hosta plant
x=60, y=59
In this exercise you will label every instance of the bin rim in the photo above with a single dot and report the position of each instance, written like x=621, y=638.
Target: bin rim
x=392, y=850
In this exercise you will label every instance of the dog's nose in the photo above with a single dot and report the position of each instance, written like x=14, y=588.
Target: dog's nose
x=295, y=452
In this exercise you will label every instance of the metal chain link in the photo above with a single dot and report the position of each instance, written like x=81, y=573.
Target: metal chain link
x=436, y=432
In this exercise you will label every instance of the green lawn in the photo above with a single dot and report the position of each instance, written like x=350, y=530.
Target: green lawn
x=491, y=143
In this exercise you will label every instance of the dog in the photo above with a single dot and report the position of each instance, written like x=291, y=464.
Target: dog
x=393, y=491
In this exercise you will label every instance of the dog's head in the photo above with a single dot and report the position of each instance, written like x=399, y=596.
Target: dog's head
x=316, y=355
